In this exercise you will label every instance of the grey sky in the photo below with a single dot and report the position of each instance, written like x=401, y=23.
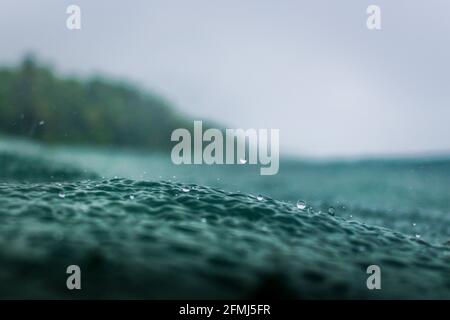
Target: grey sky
x=309, y=68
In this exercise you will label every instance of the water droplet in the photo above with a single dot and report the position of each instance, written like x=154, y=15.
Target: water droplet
x=414, y=224
x=331, y=211
x=417, y=236
x=61, y=195
x=259, y=197
x=185, y=189
x=301, y=204
x=41, y=123
x=131, y=197
x=204, y=220
x=242, y=161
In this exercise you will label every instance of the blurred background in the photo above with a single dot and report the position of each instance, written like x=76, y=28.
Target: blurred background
x=310, y=68
x=338, y=92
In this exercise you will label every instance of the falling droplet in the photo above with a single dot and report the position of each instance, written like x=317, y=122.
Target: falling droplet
x=301, y=204
x=414, y=224
x=417, y=236
x=331, y=211
x=242, y=161
x=131, y=197
x=185, y=189
x=61, y=195
x=259, y=197
x=41, y=123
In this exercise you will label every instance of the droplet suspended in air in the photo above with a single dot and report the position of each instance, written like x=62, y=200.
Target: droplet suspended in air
x=331, y=211
x=41, y=123
x=131, y=197
x=301, y=204
x=62, y=195
x=417, y=236
x=259, y=197
x=185, y=189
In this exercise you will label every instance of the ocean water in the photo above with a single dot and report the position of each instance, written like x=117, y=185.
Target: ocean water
x=141, y=227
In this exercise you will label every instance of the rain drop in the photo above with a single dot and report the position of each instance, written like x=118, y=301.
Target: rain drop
x=259, y=197
x=301, y=205
x=185, y=189
x=61, y=195
x=331, y=211
x=131, y=197
x=41, y=123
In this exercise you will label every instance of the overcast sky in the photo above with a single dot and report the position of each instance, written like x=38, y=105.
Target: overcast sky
x=310, y=68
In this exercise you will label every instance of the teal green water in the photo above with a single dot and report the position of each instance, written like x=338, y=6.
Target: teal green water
x=140, y=227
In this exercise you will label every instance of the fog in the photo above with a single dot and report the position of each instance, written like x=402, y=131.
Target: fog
x=309, y=68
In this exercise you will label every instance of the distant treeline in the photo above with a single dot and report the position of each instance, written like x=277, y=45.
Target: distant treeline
x=37, y=103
